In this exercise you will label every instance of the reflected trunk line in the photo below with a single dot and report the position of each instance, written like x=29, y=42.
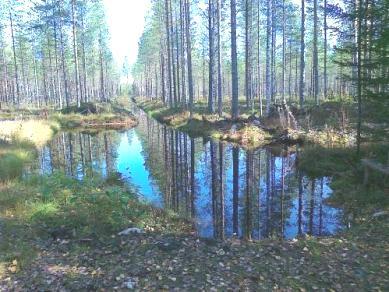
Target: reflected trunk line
x=221, y=190
x=321, y=207
x=312, y=207
x=235, y=157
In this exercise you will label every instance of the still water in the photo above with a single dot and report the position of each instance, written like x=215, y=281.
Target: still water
x=225, y=190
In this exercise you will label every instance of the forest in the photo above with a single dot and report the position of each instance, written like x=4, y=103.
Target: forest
x=238, y=145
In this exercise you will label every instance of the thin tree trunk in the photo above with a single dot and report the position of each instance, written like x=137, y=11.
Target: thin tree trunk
x=325, y=50
x=65, y=79
x=283, y=52
x=268, y=55
x=302, y=55
x=169, y=64
x=248, y=24
x=219, y=61
x=315, y=54
x=234, y=61
x=211, y=56
x=75, y=54
x=189, y=57
x=17, y=98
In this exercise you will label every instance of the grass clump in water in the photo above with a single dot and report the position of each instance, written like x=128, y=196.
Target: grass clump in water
x=203, y=124
x=95, y=115
x=35, y=132
x=18, y=143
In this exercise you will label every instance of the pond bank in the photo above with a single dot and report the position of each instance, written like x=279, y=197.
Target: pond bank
x=114, y=115
x=249, y=131
x=22, y=132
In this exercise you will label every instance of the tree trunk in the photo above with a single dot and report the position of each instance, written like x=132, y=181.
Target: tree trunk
x=234, y=61
x=75, y=54
x=211, y=108
x=302, y=55
x=169, y=64
x=268, y=56
x=16, y=99
x=189, y=56
x=325, y=51
x=219, y=60
x=315, y=54
x=248, y=24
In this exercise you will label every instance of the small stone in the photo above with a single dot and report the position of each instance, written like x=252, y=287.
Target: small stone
x=221, y=252
x=130, y=283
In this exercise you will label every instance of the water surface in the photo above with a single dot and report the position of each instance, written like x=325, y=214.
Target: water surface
x=225, y=190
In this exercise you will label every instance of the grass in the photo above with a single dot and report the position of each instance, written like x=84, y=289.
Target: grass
x=12, y=160
x=112, y=115
x=19, y=141
x=331, y=124
x=206, y=125
x=39, y=209
x=36, y=132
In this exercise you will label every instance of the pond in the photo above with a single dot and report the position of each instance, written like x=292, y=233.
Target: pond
x=225, y=190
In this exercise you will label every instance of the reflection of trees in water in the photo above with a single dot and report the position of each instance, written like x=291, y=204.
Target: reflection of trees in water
x=253, y=194
x=169, y=157
x=81, y=154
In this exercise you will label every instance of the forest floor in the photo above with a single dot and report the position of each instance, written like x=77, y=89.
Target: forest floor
x=35, y=260
x=330, y=124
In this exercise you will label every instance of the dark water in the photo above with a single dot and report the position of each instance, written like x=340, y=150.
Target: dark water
x=225, y=190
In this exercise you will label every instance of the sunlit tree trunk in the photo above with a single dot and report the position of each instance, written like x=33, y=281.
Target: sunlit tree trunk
x=302, y=55
x=219, y=60
x=62, y=45
x=325, y=86
x=211, y=108
x=234, y=62
x=189, y=57
x=16, y=99
x=248, y=25
x=315, y=54
x=169, y=64
x=75, y=54
x=268, y=56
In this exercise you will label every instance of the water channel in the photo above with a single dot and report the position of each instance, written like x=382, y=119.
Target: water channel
x=266, y=196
